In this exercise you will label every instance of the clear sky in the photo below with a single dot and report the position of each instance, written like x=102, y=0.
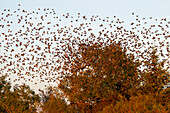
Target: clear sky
x=104, y=8
x=120, y=8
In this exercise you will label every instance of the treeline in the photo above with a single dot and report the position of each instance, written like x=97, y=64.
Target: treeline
x=105, y=79
x=98, y=65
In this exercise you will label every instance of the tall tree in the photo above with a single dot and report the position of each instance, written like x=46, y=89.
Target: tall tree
x=98, y=76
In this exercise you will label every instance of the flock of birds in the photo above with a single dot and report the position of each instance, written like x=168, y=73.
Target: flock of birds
x=33, y=44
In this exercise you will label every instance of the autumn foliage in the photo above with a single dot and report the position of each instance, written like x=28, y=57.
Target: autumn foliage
x=116, y=71
x=106, y=80
x=21, y=99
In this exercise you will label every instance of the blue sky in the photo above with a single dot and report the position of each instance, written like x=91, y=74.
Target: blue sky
x=120, y=8
x=104, y=8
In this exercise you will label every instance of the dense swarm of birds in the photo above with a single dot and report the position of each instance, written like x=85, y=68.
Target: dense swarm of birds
x=34, y=45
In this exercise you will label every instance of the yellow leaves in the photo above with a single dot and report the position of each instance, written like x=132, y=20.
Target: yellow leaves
x=139, y=103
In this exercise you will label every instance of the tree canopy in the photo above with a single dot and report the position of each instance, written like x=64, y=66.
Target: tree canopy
x=96, y=65
x=19, y=99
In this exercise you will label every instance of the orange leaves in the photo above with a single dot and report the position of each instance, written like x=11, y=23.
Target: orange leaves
x=93, y=64
x=103, y=75
x=139, y=103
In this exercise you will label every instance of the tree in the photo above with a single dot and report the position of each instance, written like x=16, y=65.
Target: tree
x=21, y=99
x=155, y=77
x=98, y=76
x=99, y=68
x=163, y=98
x=53, y=102
x=136, y=104
x=4, y=89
